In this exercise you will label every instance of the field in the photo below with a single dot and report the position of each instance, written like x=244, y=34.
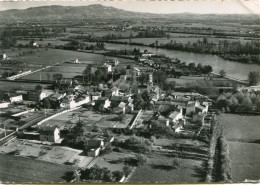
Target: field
x=10, y=85
x=181, y=39
x=91, y=118
x=20, y=169
x=54, y=154
x=190, y=156
x=244, y=128
x=216, y=81
x=160, y=169
x=242, y=133
x=111, y=161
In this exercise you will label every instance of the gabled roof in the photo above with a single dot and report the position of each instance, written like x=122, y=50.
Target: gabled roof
x=93, y=143
x=48, y=128
x=122, y=105
x=201, y=107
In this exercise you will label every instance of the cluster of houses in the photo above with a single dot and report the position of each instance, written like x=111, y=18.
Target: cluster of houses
x=175, y=109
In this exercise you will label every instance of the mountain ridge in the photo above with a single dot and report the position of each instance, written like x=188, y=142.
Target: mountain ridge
x=90, y=11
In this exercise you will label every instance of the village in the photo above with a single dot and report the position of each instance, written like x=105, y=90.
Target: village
x=95, y=93
x=85, y=125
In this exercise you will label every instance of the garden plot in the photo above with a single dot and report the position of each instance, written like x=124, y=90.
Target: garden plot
x=54, y=154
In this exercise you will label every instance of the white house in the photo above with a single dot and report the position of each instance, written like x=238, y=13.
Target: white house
x=201, y=108
x=109, y=68
x=16, y=98
x=4, y=56
x=4, y=104
x=49, y=133
x=148, y=54
x=68, y=103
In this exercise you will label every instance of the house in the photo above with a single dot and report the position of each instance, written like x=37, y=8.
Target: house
x=201, y=108
x=114, y=91
x=49, y=133
x=137, y=71
x=58, y=96
x=93, y=147
x=176, y=128
x=36, y=96
x=163, y=120
x=120, y=108
x=103, y=101
x=109, y=67
x=68, y=103
x=16, y=98
x=113, y=62
x=4, y=104
x=175, y=116
x=147, y=54
x=129, y=108
x=33, y=44
x=95, y=95
x=4, y=57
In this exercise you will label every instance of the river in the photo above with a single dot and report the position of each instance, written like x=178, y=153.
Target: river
x=234, y=69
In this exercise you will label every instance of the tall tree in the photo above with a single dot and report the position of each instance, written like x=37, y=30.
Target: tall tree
x=253, y=77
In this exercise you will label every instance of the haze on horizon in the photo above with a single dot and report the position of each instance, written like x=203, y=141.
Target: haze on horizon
x=159, y=7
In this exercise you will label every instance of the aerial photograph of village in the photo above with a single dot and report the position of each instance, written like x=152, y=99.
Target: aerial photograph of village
x=130, y=92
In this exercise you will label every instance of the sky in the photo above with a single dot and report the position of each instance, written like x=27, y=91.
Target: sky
x=161, y=7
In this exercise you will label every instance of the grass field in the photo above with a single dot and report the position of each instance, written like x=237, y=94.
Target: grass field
x=111, y=161
x=20, y=169
x=160, y=169
x=245, y=161
x=242, y=133
x=241, y=127
x=183, y=80
x=52, y=56
x=9, y=85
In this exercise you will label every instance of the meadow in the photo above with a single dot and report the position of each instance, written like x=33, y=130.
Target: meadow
x=242, y=134
x=32, y=170
x=11, y=85
x=160, y=168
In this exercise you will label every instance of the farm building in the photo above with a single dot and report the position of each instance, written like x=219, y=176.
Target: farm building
x=93, y=147
x=49, y=133
x=4, y=104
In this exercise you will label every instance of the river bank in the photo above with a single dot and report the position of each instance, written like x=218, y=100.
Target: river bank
x=233, y=69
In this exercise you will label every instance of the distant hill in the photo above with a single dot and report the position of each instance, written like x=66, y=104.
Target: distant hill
x=80, y=12
x=98, y=11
